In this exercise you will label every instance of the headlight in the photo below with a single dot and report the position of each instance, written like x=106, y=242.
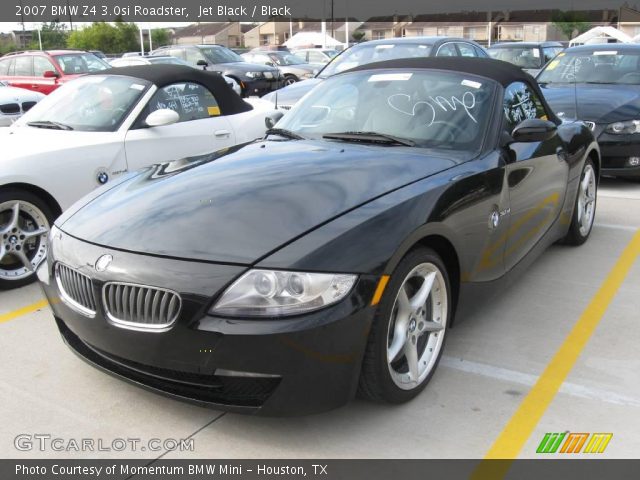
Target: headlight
x=622, y=128
x=254, y=74
x=267, y=293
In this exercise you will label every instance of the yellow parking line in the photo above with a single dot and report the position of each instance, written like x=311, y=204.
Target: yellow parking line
x=521, y=425
x=5, y=317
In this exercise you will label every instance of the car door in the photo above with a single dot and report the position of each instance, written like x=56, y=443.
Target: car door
x=201, y=127
x=536, y=174
x=41, y=83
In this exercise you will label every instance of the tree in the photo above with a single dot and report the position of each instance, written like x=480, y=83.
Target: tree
x=358, y=35
x=7, y=47
x=160, y=37
x=571, y=24
x=123, y=37
x=54, y=35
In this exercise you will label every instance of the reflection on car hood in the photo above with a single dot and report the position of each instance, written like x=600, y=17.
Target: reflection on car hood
x=602, y=104
x=291, y=94
x=239, y=205
x=19, y=95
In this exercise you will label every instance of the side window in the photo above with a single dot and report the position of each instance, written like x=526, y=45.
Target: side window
x=262, y=59
x=176, y=52
x=466, y=50
x=193, y=56
x=5, y=66
x=549, y=53
x=480, y=52
x=24, y=66
x=521, y=103
x=41, y=65
x=447, y=50
x=192, y=101
x=315, y=57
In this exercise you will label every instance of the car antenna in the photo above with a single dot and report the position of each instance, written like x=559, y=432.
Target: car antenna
x=276, y=99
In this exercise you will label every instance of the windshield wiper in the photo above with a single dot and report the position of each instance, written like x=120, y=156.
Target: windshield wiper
x=374, y=137
x=49, y=124
x=283, y=132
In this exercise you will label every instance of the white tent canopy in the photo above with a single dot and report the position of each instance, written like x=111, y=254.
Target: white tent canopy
x=310, y=39
x=601, y=35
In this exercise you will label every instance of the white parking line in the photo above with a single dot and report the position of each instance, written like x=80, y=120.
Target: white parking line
x=529, y=380
x=626, y=228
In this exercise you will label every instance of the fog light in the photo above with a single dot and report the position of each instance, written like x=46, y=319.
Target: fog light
x=634, y=161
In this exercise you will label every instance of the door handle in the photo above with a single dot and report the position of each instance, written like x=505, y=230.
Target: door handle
x=222, y=133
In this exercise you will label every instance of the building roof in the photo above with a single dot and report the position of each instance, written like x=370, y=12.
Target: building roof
x=203, y=29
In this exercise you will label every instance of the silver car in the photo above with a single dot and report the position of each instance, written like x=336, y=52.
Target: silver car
x=14, y=102
x=293, y=67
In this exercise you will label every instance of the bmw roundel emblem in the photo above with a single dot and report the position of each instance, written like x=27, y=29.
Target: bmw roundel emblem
x=103, y=262
x=103, y=177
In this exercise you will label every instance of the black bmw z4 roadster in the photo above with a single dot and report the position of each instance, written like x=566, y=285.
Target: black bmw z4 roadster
x=284, y=276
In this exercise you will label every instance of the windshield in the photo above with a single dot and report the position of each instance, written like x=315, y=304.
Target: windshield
x=599, y=66
x=363, y=54
x=523, y=57
x=221, y=55
x=287, y=59
x=80, y=63
x=89, y=104
x=429, y=108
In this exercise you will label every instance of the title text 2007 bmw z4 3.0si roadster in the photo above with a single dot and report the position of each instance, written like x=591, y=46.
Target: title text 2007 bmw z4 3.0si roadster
x=284, y=276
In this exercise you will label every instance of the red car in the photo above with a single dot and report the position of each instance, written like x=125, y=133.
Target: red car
x=44, y=71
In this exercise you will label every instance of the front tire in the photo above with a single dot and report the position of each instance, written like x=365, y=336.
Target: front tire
x=584, y=210
x=407, y=337
x=25, y=221
x=290, y=80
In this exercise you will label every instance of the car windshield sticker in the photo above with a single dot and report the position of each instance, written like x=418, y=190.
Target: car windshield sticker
x=434, y=107
x=606, y=52
x=386, y=77
x=553, y=65
x=137, y=86
x=520, y=106
x=471, y=83
x=536, y=53
x=423, y=46
x=213, y=111
x=384, y=46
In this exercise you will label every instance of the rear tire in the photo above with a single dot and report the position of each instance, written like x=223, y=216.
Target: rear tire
x=25, y=221
x=407, y=336
x=584, y=210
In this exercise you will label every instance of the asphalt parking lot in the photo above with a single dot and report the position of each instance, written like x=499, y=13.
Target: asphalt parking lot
x=488, y=373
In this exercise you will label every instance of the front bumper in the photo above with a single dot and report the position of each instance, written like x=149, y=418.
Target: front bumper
x=616, y=150
x=261, y=86
x=295, y=366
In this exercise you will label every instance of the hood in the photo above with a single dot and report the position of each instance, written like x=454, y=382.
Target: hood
x=18, y=95
x=237, y=206
x=602, y=104
x=290, y=95
x=25, y=144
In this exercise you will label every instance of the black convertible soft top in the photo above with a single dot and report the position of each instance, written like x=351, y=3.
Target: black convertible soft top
x=162, y=75
x=502, y=72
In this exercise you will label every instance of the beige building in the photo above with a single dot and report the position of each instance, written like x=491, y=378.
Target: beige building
x=276, y=33
x=229, y=34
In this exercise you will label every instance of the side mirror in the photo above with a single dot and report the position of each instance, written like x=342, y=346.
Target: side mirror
x=50, y=74
x=162, y=117
x=534, y=130
x=202, y=63
x=271, y=64
x=272, y=118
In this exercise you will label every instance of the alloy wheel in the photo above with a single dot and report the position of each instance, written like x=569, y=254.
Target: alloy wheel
x=417, y=327
x=23, y=231
x=586, y=200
